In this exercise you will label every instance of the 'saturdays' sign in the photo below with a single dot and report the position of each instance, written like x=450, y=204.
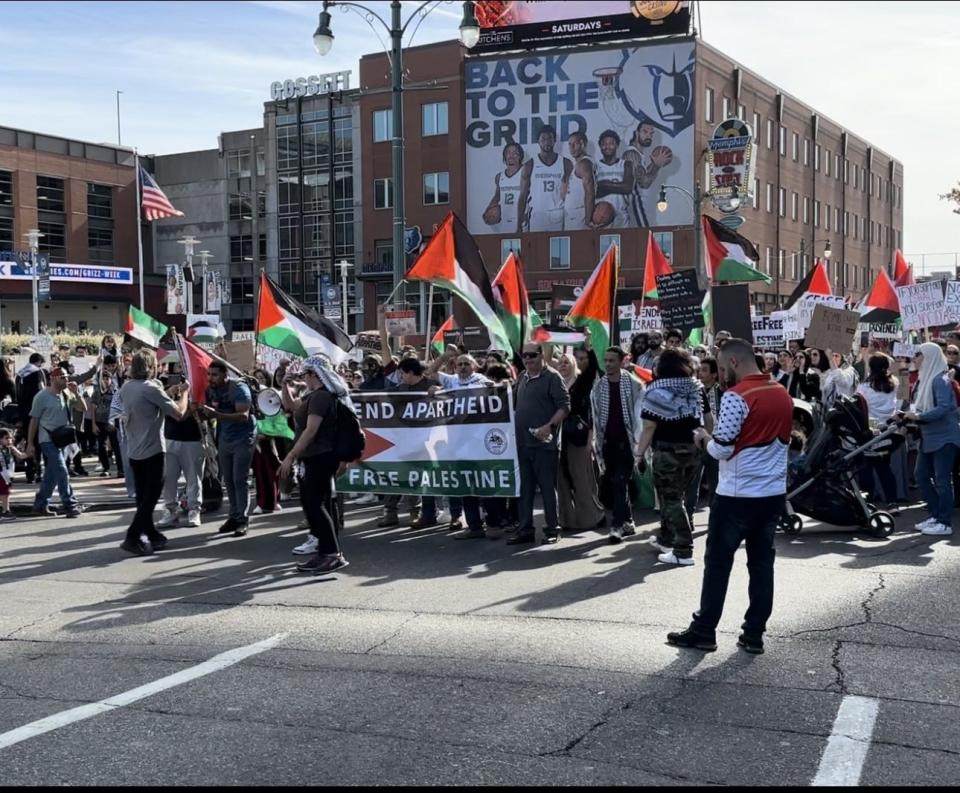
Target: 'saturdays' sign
x=455, y=443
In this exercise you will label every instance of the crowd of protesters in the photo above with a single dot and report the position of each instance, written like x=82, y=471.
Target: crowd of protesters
x=590, y=425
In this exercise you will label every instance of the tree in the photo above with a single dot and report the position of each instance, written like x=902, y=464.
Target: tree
x=954, y=197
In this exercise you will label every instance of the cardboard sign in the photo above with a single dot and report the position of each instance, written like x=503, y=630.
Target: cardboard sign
x=681, y=300
x=731, y=310
x=902, y=349
x=832, y=329
x=768, y=331
x=951, y=302
x=43, y=344
x=401, y=323
x=634, y=320
x=798, y=318
x=240, y=354
x=368, y=341
x=921, y=305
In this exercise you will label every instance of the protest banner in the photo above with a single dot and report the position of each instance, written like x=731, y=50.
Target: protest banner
x=42, y=344
x=902, y=349
x=634, y=320
x=768, y=331
x=176, y=290
x=243, y=335
x=681, y=300
x=832, y=329
x=731, y=310
x=240, y=354
x=921, y=305
x=881, y=330
x=455, y=443
x=951, y=302
x=401, y=323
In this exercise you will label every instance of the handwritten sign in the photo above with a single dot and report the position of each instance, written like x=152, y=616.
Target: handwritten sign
x=635, y=320
x=832, y=329
x=240, y=354
x=902, y=349
x=368, y=341
x=951, y=302
x=680, y=300
x=881, y=330
x=401, y=323
x=921, y=305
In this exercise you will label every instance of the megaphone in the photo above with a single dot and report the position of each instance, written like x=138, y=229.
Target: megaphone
x=268, y=402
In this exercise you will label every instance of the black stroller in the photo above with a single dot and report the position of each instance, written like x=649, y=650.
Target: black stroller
x=823, y=483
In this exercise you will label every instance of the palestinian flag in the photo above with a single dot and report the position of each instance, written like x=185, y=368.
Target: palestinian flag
x=437, y=342
x=657, y=264
x=816, y=282
x=640, y=373
x=597, y=305
x=284, y=324
x=275, y=427
x=452, y=261
x=881, y=303
x=556, y=334
x=731, y=257
x=144, y=328
x=902, y=272
x=194, y=361
x=510, y=292
x=203, y=331
x=699, y=335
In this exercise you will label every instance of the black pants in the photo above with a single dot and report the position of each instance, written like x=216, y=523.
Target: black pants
x=33, y=465
x=319, y=507
x=148, y=479
x=617, y=469
x=733, y=520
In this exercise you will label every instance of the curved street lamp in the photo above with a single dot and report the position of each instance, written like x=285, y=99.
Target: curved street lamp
x=323, y=39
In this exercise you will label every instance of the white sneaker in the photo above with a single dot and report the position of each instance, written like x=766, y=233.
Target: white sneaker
x=278, y=508
x=615, y=537
x=368, y=498
x=193, y=517
x=309, y=547
x=924, y=524
x=937, y=529
x=257, y=510
x=443, y=516
x=170, y=518
x=655, y=544
x=672, y=558
x=629, y=529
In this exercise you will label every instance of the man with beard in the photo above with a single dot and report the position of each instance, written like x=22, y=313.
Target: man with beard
x=751, y=441
x=614, y=181
x=648, y=360
x=501, y=213
x=579, y=187
x=541, y=203
x=646, y=165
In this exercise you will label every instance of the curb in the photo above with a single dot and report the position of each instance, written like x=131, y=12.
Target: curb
x=23, y=510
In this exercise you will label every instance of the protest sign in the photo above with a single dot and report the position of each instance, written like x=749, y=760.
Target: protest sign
x=474, y=338
x=456, y=443
x=243, y=335
x=832, y=329
x=401, y=323
x=42, y=344
x=921, y=305
x=369, y=341
x=951, y=302
x=881, y=330
x=902, y=349
x=634, y=320
x=240, y=354
x=797, y=318
x=680, y=300
x=731, y=310
x=768, y=331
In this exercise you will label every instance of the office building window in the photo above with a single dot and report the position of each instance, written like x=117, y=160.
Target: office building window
x=768, y=261
x=6, y=234
x=816, y=214
x=507, y=247
x=782, y=202
x=781, y=260
x=856, y=176
x=100, y=246
x=559, y=253
x=826, y=163
x=241, y=249
x=836, y=169
x=6, y=188
x=783, y=141
x=756, y=194
x=665, y=240
x=742, y=112
x=382, y=193
x=382, y=125
x=826, y=218
x=756, y=125
x=708, y=104
x=794, y=205
x=795, y=146
x=806, y=151
x=50, y=194
x=606, y=240
x=435, y=119
x=436, y=188
x=241, y=291
x=846, y=223
x=53, y=241
x=769, y=197
x=288, y=148
x=727, y=107
x=99, y=201
x=856, y=227
x=770, y=133
x=240, y=208
x=383, y=254
x=816, y=157
x=806, y=209
x=863, y=228
x=238, y=163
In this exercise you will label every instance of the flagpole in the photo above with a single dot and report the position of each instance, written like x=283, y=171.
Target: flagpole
x=426, y=333
x=395, y=290
x=136, y=167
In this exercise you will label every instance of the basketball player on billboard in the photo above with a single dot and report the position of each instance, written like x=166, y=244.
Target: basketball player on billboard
x=579, y=188
x=541, y=184
x=615, y=185
x=646, y=165
x=501, y=213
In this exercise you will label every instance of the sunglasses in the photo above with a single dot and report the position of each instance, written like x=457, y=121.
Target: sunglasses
x=527, y=356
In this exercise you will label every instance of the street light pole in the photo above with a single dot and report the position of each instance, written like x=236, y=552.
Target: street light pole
x=343, y=265
x=188, y=244
x=33, y=240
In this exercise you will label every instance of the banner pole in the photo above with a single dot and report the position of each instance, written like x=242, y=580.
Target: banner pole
x=395, y=290
x=426, y=333
x=136, y=168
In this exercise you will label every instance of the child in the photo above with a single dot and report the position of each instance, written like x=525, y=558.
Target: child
x=8, y=453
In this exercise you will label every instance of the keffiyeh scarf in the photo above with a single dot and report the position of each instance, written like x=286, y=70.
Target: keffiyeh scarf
x=674, y=398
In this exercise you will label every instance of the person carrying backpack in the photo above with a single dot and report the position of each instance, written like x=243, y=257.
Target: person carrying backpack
x=328, y=436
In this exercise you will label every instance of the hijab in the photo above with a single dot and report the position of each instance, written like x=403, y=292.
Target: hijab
x=934, y=365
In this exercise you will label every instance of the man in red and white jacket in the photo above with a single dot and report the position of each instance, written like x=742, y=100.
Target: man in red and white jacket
x=751, y=439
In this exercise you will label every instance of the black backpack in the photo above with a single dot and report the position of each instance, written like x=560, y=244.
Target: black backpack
x=349, y=441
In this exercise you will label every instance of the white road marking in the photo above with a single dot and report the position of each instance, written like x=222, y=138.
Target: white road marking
x=58, y=720
x=843, y=759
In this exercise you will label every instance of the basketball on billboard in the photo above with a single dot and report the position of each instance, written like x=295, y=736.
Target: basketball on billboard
x=603, y=213
x=492, y=216
x=661, y=156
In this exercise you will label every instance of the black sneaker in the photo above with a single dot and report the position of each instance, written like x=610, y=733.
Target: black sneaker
x=137, y=548
x=521, y=538
x=240, y=530
x=321, y=565
x=690, y=639
x=752, y=644
x=229, y=526
x=550, y=539
x=158, y=541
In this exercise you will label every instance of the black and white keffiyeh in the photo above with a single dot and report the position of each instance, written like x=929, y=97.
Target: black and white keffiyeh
x=674, y=398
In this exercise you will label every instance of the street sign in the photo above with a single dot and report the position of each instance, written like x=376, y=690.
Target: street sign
x=331, y=294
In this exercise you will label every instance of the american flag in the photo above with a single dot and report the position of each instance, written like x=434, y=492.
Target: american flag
x=154, y=201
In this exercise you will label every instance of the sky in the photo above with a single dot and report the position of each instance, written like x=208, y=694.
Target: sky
x=189, y=70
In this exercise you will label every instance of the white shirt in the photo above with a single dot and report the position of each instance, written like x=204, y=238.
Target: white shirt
x=881, y=406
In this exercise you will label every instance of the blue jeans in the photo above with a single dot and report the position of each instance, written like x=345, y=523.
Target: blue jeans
x=54, y=475
x=235, y=459
x=935, y=476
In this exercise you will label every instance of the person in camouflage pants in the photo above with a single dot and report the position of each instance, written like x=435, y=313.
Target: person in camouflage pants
x=674, y=466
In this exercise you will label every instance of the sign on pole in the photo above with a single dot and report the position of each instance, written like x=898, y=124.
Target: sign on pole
x=921, y=305
x=832, y=329
x=401, y=323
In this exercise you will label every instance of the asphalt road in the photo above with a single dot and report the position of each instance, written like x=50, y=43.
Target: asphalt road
x=436, y=661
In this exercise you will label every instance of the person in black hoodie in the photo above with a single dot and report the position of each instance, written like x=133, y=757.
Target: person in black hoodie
x=31, y=380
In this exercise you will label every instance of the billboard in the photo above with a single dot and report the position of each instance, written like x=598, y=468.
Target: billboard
x=731, y=158
x=526, y=24
x=579, y=141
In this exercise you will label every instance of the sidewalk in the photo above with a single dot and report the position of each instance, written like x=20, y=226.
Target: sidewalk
x=96, y=494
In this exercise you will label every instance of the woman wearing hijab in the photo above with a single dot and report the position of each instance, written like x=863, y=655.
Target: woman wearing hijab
x=579, y=506
x=935, y=411
x=315, y=422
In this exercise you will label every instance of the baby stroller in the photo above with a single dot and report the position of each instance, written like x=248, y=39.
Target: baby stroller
x=823, y=483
